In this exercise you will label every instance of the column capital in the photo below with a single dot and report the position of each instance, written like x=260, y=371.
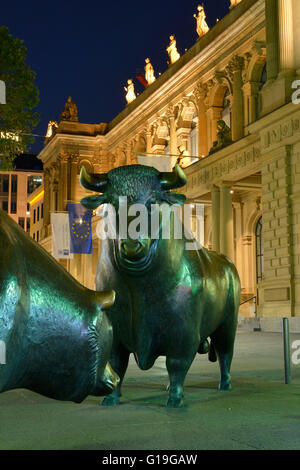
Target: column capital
x=235, y=66
x=214, y=187
x=63, y=157
x=214, y=112
x=224, y=77
x=226, y=184
x=170, y=114
x=259, y=47
x=200, y=91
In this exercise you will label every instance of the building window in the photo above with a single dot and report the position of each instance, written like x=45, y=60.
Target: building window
x=28, y=225
x=5, y=206
x=33, y=236
x=38, y=214
x=259, y=251
x=263, y=80
x=194, y=143
x=13, y=207
x=4, y=183
x=226, y=113
x=14, y=184
x=22, y=222
x=42, y=210
x=34, y=216
x=33, y=182
x=37, y=235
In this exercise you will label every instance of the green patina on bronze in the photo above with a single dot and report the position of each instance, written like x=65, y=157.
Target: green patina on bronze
x=57, y=337
x=169, y=301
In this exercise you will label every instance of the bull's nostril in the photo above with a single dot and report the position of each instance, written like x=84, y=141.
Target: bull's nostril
x=131, y=249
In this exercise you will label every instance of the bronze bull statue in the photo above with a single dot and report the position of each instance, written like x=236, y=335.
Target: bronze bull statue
x=169, y=301
x=57, y=338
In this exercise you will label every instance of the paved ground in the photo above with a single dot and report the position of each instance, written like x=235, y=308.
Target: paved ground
x=260, y=413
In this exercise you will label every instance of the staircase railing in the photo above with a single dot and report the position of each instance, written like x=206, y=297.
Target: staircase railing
x=255, y=303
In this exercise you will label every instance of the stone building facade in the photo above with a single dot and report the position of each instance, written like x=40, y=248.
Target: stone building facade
x=240, y=72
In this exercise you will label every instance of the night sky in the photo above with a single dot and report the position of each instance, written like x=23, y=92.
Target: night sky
x=88, y=50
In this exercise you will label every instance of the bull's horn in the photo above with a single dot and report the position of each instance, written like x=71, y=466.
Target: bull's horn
x=93, y=181
x=173, y=179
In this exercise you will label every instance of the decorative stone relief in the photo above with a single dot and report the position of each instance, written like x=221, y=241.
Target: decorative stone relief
x=217, y=171
x=281, y=132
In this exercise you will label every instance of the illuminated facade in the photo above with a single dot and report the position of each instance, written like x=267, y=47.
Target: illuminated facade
x=36, y=209
x=237, y=76
x=17, y=185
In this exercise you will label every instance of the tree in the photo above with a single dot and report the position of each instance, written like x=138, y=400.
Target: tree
x=17, y=118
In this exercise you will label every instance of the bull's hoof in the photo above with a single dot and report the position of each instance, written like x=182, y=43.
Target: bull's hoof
x=225, y=387
x=110, y=401
x=174, y=402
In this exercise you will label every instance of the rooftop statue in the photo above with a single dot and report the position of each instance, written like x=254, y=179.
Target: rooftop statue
x=52, y=125
x=202, y=27
x=172, y=50
x=233, y=3
x=70, y=113
x=149, y=72
x=130, y=96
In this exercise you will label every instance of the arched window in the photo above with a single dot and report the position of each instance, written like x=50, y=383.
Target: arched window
x=259, y=251
x=194, y=138
x=263, y=80
x=226, y=114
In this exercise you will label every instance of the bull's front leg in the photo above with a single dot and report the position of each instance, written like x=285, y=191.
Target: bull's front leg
x=119, y=362
x=177, y=370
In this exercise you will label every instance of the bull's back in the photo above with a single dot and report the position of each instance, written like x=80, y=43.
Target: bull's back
x=219, y=296
x=45, y=320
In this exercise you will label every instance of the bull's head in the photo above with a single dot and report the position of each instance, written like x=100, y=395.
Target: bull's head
x=140, y=185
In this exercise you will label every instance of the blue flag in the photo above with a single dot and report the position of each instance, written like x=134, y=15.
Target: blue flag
x=80, y=229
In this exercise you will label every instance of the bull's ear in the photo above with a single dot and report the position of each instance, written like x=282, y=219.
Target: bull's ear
x=92, y=202
x=106, y=299
x=174, y=198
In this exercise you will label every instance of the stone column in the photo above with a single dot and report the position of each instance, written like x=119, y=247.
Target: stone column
x=173, y=135
x=251, y=90
x=272, y=39
x=226, y=221
x=128, y=152
x=54, y=196
x=170, y=115
x=200, y=94
x=63, y=197
x=215, y=212
x=286, y=37
x=148, y=136
x=214, y=114
x=237, y=103
x=296, y=16
x=46, y=202
x=73, y=180
x=238, y=232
